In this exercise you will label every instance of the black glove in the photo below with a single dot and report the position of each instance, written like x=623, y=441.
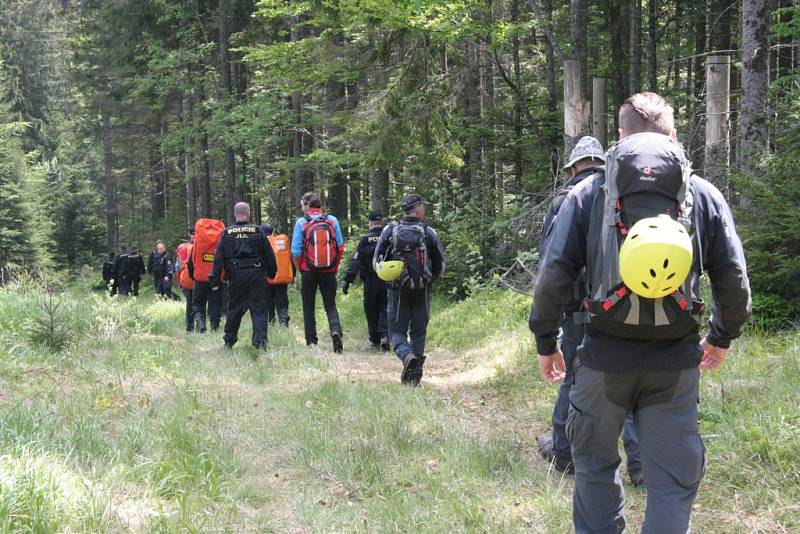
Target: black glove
x=346, y=288
x=213, y=283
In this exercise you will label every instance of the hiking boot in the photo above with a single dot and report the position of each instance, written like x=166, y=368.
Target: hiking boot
x=416, y=375
x=336, y=337
x=561, y=463
x=228, y=346
x=636, y=478
x=385, y=345
x=409, y=366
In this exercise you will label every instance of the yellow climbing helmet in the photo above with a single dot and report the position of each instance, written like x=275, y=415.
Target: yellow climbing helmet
x=389, y=271
x=656, y=257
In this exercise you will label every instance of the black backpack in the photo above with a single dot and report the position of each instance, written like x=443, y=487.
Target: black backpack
x=410, y=245
x=646, y=175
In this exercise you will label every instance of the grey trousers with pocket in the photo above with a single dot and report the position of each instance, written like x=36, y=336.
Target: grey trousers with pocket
x=664, y=404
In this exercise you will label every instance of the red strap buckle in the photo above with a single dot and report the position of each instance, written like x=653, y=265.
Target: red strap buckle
x=607, y=305
x=621, y=292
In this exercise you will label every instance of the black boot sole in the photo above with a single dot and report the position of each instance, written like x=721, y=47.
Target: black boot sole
x=408, y=370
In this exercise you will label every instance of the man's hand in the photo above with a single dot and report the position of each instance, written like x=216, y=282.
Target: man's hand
x=166, y=278
x=552, y=368
x=712, y=356
x=346, y=288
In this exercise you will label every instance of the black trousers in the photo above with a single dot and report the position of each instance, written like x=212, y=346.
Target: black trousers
x=205, y=300
x=187, y=293
x=375, y=304
x=326, y=283
x=133, y=286
x=278, y=303
x=247, y=290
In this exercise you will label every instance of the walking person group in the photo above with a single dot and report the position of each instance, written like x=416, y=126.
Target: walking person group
x=616, y=315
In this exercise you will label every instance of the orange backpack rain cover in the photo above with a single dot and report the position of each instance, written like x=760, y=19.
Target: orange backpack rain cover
x=184, y=280
x=283, y=257
x=206, y=237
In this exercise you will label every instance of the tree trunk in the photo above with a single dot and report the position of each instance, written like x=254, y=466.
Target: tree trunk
x=755, y=85
x=652, y=41
x=578, y=34
x=109, y=181
x=226, y=93
x=599, y=121
x=576, y=109
x=379, y=190
x=635, y=46
x=518, y=158
x=696, y=137
x=549, y=52
x=616, y=11
x=717, y=152
x=335, y=97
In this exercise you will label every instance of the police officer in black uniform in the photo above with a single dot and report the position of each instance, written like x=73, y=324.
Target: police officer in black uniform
x=248, y=260
x=375, y=297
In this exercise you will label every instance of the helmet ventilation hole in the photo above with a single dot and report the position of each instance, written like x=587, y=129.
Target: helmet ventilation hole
x=666, y=263
x=645, y=285
x=653, y=226
x=634, y=236
x=652, y=273
x=670, y=276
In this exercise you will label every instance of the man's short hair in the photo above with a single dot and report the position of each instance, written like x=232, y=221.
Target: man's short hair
x=159, y=242
x=241, y=209
x=312, y=200
x=646, y=112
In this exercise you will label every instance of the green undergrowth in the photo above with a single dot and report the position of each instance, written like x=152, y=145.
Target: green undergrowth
x=135, y=426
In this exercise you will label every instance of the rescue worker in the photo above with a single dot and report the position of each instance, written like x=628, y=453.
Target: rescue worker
x=109, y=278
x=375, y=296
x=586, y=158
x=414, y=250
x=119, y=271
x=248, y=261
x=184, y=250
x=642, y=351
x=317, y=248
x=151, y=267
x=163, y=269
x=278, y=287
x=134, y=269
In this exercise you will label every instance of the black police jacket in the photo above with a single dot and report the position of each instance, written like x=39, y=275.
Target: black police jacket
x=243, y=246
x=361, y=263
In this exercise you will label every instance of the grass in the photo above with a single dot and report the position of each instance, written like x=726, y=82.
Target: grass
x=134, y=426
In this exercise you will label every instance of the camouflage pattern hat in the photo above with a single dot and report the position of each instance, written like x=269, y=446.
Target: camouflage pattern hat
x=587, y=147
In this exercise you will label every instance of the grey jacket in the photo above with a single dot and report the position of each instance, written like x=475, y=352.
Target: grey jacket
x=721, y=257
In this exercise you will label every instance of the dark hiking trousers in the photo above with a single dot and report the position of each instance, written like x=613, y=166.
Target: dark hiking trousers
x=247, y=290
x=207, y=301
x=133, y=286
x=326, y=283
x=408, y=314
x=664, y=404
x=571, y=338
x=187, y=294
x=375, y=303
x=278, y=303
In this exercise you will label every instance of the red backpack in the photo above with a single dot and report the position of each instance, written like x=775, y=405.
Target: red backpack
x=319, y=243
x=207, y=235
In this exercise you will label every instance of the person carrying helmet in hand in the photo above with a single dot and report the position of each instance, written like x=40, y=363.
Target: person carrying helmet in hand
x=375, y=296
x=644, y=230
x=410, y=257
x=586, y=159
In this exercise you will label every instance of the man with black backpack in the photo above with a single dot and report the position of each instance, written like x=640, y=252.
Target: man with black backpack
x=644, y=230
x=410, y=257
x=108, y=274
x=586, y=159
x=317, y=249
x=119, y=271
x=375, y=297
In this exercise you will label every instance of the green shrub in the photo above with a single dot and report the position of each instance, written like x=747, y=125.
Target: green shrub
x=48, y=327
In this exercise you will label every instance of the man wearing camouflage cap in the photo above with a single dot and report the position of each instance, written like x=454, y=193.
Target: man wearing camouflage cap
x=586, y=158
